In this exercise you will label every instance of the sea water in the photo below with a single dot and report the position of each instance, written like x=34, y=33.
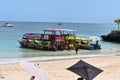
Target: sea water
x=9, y=36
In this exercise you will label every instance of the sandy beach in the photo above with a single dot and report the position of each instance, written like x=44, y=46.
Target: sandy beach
x=56, y=69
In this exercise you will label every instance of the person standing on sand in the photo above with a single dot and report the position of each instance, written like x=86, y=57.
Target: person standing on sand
x=76, y=49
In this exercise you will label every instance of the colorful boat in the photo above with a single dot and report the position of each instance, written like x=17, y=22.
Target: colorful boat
x=58, y=39
x=51, y=39
x=88, y=42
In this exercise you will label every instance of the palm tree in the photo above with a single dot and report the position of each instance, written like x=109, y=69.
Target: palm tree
x=118, y=22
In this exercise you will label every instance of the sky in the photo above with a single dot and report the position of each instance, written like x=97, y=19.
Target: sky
x=80, y=11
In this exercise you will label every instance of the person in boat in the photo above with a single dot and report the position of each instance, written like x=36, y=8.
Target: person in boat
x=6, y=23
x=97, y=45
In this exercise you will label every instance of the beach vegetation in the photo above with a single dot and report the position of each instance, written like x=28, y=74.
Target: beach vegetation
x=117, y=21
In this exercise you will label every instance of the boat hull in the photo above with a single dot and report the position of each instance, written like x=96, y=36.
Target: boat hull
x=90, y=47
x=7, y=25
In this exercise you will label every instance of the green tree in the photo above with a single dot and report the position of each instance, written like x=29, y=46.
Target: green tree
x=118, y=22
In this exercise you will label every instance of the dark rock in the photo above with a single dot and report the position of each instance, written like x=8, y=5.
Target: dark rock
x=113, y=36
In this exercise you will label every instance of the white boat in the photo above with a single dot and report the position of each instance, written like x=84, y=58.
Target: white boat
x=8, y=25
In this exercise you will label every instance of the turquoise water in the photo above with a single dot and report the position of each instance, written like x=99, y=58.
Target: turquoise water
x=9, y=36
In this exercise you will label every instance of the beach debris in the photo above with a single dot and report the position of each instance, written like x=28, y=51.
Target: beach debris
x=85, y=70
x=34, y=70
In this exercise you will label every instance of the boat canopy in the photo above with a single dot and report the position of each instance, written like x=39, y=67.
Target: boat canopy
x=59, y=31
x=89, y=38
x=31, y=35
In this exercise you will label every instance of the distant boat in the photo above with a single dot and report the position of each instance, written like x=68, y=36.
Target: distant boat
x=59, y=23
x=7, y=25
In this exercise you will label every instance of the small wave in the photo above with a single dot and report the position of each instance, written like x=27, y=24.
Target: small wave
x=43, y=58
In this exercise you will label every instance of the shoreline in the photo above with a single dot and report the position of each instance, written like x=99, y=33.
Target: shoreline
x=52, y=58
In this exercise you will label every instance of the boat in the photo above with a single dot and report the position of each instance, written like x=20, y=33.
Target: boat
x=51, y=39
x=88, y=42
x=8, y=25
x=113, y=36
x=58, y=39
x=59, y=23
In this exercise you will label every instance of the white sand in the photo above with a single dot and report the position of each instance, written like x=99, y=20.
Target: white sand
x=57, y=69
